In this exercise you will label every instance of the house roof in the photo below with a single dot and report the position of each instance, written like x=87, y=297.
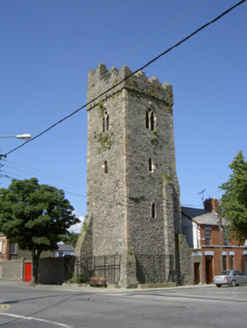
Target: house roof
x=202, y=216
x=65, y=248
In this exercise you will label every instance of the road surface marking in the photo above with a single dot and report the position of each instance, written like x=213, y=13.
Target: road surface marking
x=4, y=307
x=35, y=319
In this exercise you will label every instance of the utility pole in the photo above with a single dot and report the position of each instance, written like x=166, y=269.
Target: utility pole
x=220, y=233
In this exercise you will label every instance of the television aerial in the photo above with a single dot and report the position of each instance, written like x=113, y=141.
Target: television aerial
x=202, y=193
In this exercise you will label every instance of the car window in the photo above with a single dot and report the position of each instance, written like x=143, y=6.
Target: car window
x=240, y=273
x=224, y=273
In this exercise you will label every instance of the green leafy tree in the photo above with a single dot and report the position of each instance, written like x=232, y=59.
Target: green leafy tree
x=34, y=216
x=234, y=200
x=70, y=238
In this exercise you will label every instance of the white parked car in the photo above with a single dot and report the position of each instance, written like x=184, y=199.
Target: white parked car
x=230, y=277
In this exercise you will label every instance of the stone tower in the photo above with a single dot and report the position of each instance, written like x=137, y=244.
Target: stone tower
x=133, y=194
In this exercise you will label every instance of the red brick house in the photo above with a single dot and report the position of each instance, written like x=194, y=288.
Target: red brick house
x=4, y=248
x=208, y=241
x=13, y=252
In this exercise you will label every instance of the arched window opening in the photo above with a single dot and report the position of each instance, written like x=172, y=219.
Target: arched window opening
x=153, y=211
x=150, y=119
x=106, y=121
x=105, y=167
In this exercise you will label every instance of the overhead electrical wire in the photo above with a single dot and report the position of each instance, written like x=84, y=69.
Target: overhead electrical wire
x=133, y=73
x=63, y=179
x=71, y=186
x=161, y=32
x=189, y=205
x=119, y=64
x=68, y=185
x=9, y=175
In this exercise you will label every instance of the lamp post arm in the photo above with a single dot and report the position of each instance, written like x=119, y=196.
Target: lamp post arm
x=24, y=136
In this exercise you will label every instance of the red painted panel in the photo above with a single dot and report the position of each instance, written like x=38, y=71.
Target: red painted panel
x=28, y=272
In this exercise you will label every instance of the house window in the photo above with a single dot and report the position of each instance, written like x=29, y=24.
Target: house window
x=150, y=119
x=226, y=240
x=13, y=248
x=224, y=262
x=153, y=211
x=231, y=262
x=106, y=121
x=105, y=166
x=207, y=236
x=3, y=247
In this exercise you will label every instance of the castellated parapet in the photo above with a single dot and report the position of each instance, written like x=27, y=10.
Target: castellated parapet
x=133, y=194
x=101, y=80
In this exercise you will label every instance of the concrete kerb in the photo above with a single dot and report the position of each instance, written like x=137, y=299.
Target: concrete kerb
x=111, y=288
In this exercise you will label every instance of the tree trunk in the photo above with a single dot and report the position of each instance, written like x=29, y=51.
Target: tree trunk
x=35, y=266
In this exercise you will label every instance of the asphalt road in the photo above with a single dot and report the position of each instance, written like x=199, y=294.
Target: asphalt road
x=63, y=306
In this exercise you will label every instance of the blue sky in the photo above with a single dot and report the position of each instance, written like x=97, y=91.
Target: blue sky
x=49, y=46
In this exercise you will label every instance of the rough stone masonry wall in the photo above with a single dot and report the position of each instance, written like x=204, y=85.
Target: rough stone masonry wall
x=55, y=270
x=105, y=191
x=186, y=274
x=126, y=106
x=119, y=201
x=145, y=187
x=152, y=235
x=12, y=270
x=84, y=245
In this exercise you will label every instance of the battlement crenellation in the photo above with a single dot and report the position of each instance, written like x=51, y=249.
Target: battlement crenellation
x=102, y=79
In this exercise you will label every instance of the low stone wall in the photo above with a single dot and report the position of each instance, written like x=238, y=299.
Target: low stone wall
x=51, y=270
x=56, y=270
x=12, y=270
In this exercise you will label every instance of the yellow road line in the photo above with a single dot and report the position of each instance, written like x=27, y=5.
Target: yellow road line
x=4, y=307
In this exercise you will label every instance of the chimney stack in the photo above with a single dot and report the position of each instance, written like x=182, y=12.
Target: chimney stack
x=211, y=204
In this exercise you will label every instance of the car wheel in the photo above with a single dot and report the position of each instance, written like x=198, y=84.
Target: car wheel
x=233, y=283
x=218, y=285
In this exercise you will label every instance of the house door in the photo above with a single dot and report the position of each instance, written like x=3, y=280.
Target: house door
x=28, y=272
x=209, y=270
x=196, y=273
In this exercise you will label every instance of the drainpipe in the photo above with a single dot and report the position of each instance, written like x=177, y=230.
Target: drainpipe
x=220, y=233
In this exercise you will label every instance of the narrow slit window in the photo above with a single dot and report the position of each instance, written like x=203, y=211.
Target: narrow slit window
x=153, y=211
x=106, y=121
x=150, y=119
x=150, y=164
x=105, y=167
x=103, y=125
x=147, y=119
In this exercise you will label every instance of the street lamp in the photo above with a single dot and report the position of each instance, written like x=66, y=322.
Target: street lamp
x=25, y=136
